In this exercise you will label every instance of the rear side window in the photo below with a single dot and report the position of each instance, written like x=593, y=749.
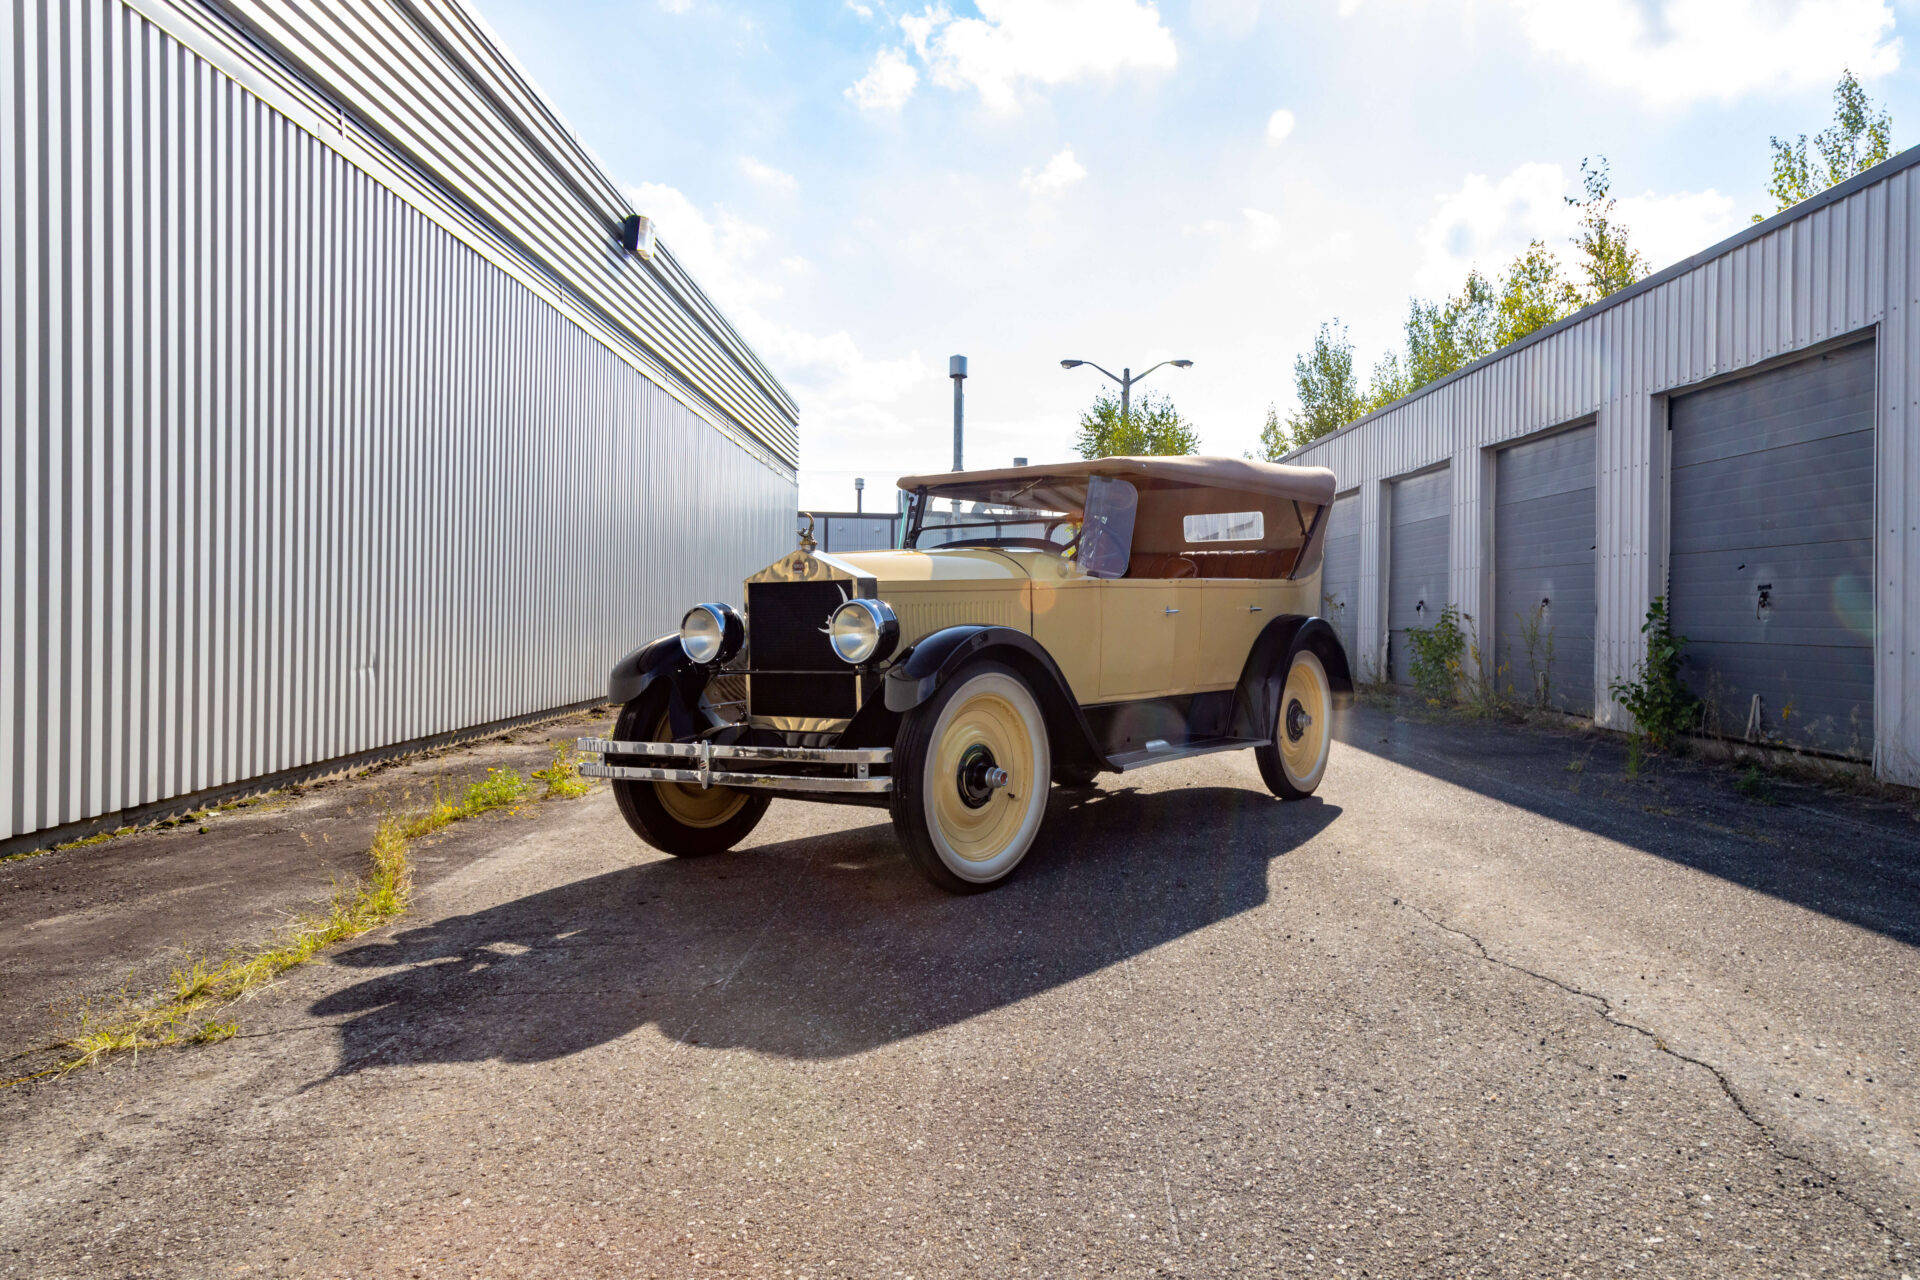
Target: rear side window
x=1226, y=526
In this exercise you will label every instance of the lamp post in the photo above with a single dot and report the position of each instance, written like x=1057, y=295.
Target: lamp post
x=1126, y=379
x=957, y=370
x=859, y=495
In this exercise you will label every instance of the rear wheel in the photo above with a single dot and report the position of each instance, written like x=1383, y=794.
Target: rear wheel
x=1293, y=763
x=970, y=774
x=683, y=819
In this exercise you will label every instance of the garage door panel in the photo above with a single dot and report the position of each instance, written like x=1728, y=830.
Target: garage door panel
x=1813, y=595
x=1547, y=531
x=1559, y=464
x=1544, y=505
x=1819, y=697
x=1804, y=403
x=1772, y=488
x=1418, y=562
x=1340, y=570
x=1808, y=493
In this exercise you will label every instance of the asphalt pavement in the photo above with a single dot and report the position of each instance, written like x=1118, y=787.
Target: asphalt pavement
x=1485, y=1006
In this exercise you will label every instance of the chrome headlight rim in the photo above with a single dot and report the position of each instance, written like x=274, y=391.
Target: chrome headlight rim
x=711, y=633
x=863, y=630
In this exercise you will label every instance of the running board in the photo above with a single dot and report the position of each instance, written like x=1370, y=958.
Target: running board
x=1160, y=753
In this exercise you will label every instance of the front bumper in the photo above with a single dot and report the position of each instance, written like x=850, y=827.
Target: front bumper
x=783, y=768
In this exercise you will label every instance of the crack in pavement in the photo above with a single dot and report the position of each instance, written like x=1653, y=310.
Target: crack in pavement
x=1893, y=1241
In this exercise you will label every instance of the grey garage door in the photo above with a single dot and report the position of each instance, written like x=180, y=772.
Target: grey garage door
x=1422, y=524
x=1543, y=557
x=1340, y=570
x=1771, y=572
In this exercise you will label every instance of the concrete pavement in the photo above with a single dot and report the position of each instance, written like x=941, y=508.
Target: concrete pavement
x=1468, y=1012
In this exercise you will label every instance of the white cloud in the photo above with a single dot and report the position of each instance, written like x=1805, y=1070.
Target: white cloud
x=1045, y=42
x=835, y=382
x=768, y=176
x=677, y=6
x=1062, y=171
x=1263, y=230
x=1671, y=52
x=1486, y=224
x=1279, y=125
x=1667, y=228
x=888, y=84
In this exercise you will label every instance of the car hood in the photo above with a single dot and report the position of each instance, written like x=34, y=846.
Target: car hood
x=957, y=564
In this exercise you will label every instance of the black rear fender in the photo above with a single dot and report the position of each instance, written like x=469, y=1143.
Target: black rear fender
x=1266, y=670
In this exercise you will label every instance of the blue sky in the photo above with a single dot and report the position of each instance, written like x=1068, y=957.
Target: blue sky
x=866, y=188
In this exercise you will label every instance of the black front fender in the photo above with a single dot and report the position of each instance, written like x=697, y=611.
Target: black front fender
x=664, y=659
x=633, y=673
x=938, y=657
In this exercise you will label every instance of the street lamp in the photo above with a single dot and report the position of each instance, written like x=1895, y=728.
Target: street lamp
x=1126, y=379
x=859, y=495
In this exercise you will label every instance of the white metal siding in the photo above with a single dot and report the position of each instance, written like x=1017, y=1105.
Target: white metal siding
x=1844, y=265
x=292, y=466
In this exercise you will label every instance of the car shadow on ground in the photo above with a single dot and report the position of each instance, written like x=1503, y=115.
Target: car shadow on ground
x=1852, y=858
x=816, y=947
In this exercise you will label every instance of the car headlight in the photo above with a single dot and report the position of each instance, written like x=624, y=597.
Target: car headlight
x=711, y=633
x=863, y=630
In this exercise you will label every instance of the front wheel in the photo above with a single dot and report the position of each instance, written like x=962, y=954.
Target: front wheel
x=970, y=773
x=1295, y=760
x=677, y=817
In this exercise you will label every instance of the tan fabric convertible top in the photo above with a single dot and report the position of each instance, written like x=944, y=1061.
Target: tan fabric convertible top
x=1267, y=479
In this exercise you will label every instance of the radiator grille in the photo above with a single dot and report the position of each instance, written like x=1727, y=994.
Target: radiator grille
x=784, y=621
x=784, y=636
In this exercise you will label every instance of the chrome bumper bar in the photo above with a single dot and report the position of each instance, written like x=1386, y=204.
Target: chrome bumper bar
x=701, y=757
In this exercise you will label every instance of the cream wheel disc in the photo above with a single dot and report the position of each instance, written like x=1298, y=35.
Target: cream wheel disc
x=986, y=776
x=690, y=805
x=1304, y=723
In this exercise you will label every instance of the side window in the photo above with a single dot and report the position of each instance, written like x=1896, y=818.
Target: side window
x=1106, y=537
x=1225, y=526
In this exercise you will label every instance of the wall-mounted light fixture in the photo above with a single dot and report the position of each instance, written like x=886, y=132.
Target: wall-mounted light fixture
x=636, y=234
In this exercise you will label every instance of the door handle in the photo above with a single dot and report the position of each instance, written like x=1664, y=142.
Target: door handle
x=1254, y=608
x=1172, y=611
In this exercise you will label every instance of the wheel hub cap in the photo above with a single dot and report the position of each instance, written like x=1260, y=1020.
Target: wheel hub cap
x=1298, y=721
x=978, y=777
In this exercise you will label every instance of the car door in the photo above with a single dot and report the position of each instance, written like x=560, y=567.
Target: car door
x=1232, y=613
x=1147, y=625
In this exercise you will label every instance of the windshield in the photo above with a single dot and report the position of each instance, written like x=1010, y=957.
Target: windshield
x=933, y=522
x=1106, y=539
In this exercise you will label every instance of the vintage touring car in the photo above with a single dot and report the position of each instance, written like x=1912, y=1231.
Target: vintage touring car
x=1071, y=620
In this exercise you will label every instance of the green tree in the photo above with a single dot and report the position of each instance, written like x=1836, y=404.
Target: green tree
x=1445, y=336
x=1855, y=142
x=1533, y=294
x=1275, y=439
x=1608, y=263
x=1151, y=426
x=1324, y=384
x=1387, y=384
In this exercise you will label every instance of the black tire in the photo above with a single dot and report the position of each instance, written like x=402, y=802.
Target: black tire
x=674, y=817
x=1067, y=776
x=1294, y=760
x=958, y=829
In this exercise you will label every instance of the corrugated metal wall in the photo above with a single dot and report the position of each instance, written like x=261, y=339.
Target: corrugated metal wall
x=1843, y=266
x=296, y=462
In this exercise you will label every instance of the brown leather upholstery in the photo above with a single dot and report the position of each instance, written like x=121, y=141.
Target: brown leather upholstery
x=1148, y=564
x=1256, y=563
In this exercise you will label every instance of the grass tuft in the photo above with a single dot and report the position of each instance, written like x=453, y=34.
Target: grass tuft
x=562, y=776
x=180, y=1013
